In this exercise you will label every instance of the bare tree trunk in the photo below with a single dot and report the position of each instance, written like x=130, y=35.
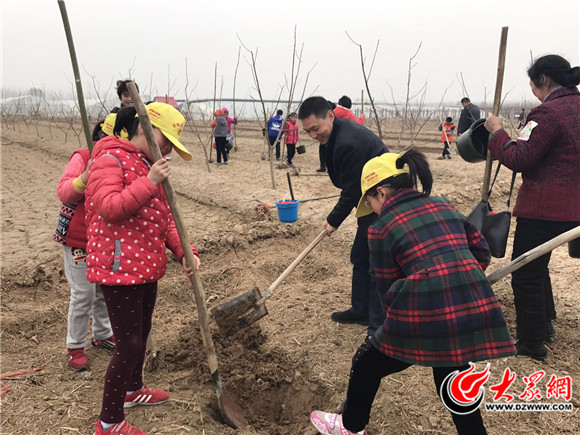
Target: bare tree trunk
x=366, y=79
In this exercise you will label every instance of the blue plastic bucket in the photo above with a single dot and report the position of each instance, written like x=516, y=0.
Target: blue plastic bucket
x=287, y=210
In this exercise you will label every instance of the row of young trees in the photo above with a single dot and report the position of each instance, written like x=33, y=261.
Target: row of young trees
x=411, y=115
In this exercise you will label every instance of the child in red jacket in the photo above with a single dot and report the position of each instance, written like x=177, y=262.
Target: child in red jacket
x=129, y=224
x=446, y=128
x=291, y=137
x=86, y=298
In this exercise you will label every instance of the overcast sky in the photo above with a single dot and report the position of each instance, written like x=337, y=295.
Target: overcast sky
x=152, y=39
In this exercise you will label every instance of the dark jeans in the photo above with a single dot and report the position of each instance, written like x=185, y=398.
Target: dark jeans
x=365, y=298
x=321, y=156
x=291, y=148
x=531, y=283
x=130, y=310
x=446, y=149
x=220, y=145
x=369, y=366
x=277, y=142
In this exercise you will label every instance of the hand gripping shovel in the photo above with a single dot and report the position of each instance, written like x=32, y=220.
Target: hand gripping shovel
x=229, y=410
x=249, y=307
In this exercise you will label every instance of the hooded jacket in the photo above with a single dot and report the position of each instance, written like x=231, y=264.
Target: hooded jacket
x=129, y=222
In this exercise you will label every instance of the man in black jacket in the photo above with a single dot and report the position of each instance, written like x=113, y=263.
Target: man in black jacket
x=348, y=147
x=468, y=116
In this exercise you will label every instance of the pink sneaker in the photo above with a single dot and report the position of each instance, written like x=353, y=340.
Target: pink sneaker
x=331, y=424
x=145, y=396
x=122, y=428
x=77, y=359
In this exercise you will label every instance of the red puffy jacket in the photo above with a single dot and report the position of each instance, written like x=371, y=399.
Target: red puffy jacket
x=344, y=113
x=128, y=218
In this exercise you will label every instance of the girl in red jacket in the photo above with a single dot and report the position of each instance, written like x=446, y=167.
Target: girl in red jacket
x=86, y=298
x=129, y=224
x=291, y=137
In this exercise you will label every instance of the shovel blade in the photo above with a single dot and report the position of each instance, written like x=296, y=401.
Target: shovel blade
x=240, y=312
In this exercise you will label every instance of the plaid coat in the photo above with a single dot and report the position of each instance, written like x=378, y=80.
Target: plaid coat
x=440, y=309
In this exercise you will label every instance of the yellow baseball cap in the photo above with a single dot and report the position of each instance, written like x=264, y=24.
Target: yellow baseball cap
x=168, y=119
x=109, y=124
x=374, y=171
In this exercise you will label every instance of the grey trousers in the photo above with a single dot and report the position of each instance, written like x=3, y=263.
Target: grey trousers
x=86, y=299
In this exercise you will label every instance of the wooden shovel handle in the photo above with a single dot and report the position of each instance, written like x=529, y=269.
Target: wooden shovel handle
x=532, y=254
x=186, y=246
x=496, y=105
x=292, y=266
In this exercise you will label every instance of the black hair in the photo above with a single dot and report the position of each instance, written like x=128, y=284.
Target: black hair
x=97, y=131
x=279, y=112
x=122, y=87
x=465, y=100
x=556, y=68
x=332, y=105
x=292, y=114
x=127, y=120
x=418, y=170
x=449, y=119
x=318, y=106
x=344, y=101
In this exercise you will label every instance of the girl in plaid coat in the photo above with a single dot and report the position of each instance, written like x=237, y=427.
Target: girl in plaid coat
x=440, y=310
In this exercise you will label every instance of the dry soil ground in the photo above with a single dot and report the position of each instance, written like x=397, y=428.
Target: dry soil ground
x=297, y=359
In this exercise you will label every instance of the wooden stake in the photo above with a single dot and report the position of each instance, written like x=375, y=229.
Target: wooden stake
x=75, y=65
x=496, y=105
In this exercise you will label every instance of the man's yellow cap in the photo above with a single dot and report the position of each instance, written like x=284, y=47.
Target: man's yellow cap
x=374, y=171
x=168, y=119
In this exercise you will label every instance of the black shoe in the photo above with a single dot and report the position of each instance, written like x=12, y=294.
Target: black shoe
x=534, y=349
x=349, y=316
x=551, y=334
x=321, y=170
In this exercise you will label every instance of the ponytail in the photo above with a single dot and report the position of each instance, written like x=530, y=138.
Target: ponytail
x=557, y=69
x=126, y=120
x=418, y=171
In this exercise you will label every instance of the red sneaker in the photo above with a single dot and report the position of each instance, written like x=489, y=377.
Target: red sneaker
x=77, y=359
x=107, y=343
x=145, y=396
x=122, y=428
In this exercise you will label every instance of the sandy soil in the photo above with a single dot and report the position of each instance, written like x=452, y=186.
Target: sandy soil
x=293, y=361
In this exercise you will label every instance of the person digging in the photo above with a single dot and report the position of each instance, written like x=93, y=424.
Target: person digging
x=348, y=147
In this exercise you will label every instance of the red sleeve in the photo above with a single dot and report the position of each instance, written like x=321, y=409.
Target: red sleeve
x=65, y=191
x=113, y=200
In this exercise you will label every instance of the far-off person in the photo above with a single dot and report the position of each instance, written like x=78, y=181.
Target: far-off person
x=274, y=126
x=123, y=94
x=468, y=116
x=446, y=130
x=343, y=110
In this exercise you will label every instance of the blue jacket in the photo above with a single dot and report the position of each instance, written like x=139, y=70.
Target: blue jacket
x=274, y=125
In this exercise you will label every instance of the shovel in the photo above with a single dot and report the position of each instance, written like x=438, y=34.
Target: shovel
x=229, y=410
x=247, y=308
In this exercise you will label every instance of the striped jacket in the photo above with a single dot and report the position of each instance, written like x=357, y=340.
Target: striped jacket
x=428, y=261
